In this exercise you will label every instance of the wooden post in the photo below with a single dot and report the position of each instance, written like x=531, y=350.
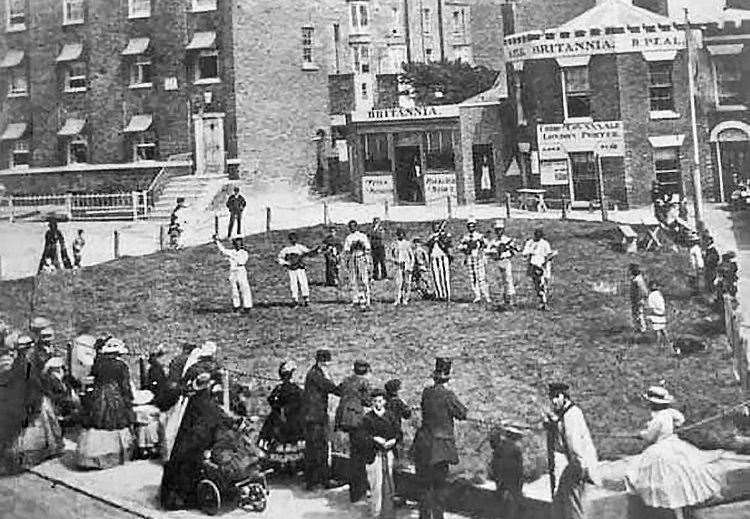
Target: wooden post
x=325, y=213
x=225, y=389
x=12, y=209
x=216, y=225
x=68, y=357
x=69, y=205
x=142, y=367
x=564, y=215
x=144, y=195
x=507, y=206
x=161, y=238
x=134, y=202
x=602, y=200
x=450, y=209
x=385, y=209
x=268, y=220
x=117, y=244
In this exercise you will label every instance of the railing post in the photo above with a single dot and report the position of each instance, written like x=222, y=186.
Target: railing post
x=12, y=209
x=325, y=213
x=216, y=224
x=450, y=209
x=117, y=244
x=134, y=203
x=161, y=238
x=564, y=215
x=69, y=205
x=144, y=194
x=385, y=209
x=507, y=206
x=268, y=220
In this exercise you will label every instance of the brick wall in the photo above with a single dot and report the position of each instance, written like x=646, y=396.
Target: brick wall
x=341, y=93
x=487, y=34
x=547, y=14
x=386, y=90
x=112, y=181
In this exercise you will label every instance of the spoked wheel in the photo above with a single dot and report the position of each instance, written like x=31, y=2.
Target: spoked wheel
x=209, y=497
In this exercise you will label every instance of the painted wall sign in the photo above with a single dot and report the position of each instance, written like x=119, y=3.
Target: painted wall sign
x=605, y=138
x=553, y=172
x=439, y=186
x=400, y=113
x=376, y=188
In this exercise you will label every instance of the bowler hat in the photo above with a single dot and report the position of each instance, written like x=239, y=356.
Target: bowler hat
x=361, y=366
x=393, y=386
x=323, y=355
x=555, y=388
x=442, y=368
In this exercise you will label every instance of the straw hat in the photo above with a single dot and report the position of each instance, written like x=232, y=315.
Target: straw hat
x=500, y=224
x=658, y=395
x=142, y=397
x=53, y=363
x=85, y=340
x=201, y=382
x=114, y=345
x=47, y=333
x=38, y=323
x=208, y=349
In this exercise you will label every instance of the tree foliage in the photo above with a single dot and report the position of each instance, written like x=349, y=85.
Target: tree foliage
x=455, y=80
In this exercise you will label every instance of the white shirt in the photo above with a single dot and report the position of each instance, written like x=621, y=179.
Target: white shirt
x=576, y=443
x=356, y=237
x=656, y=303
x=292, y=255
x=237, y=258
x=662, y=425
x=537, y=251
x=403, y=254
x=696, y=257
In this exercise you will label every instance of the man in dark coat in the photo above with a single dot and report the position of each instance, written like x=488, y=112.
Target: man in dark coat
x=236, y=204
x=711, y=263
x=377, y=244
x=317, y=388
x=434, y=447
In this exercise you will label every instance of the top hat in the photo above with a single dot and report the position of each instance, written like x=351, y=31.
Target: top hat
x=555, y=388
x=378, y=392
x=500, y=224
x=393, y=385
x=658, y=395
x=323, y=355
x=287, y=367
x=442, y=368
x=38, y=323
x=361, y=367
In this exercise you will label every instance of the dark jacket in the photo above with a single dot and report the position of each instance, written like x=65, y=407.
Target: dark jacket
x=284, y=422
x=236, y=203
x=373, y=425
x=376, y=239
x=435, y=441
x=398, y=410
x=355, y=395
x=110, y=405
x=315, y=398
x=506, y=467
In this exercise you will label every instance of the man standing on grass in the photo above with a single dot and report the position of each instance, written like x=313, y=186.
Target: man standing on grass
x=638, y=295
x=318, y=386
x=403, y=257
x=358, y=261
x=474, y=245
x=503, y=248
x=439, y=250
x=242, y=298
x=540, y=253
x=293, y=258
x=696, y=262
x=236, y=204
x=332, y=251
x=377, y=237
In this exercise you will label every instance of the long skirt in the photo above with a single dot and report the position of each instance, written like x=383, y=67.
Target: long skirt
x=570, y=494
x=283, y=456
x=170, y=424
x=102, y=449
x=673, y=474
x=41, y=440
x=146, y=429
x=382, y=489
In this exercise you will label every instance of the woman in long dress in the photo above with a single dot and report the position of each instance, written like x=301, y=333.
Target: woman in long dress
x=105, y=440
x=378, y=435
x=282, y=436
x=670, y=473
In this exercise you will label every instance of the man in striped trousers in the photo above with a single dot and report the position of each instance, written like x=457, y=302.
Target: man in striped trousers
x=438, y=247
x=474, y=246
x=359, y=262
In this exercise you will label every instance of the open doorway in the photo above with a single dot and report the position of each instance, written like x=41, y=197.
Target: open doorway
x=409, y=175
x=484, y=172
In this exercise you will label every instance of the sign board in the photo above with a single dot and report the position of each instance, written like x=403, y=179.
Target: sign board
x=534, y=162
x=605, y=138
x=376, y=188
x=416, y=113
x=342, y=150
x=170, y=83
x=439, y=186
x=553, y=172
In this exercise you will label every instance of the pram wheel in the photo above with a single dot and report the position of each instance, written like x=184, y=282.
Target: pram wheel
x=209, y=497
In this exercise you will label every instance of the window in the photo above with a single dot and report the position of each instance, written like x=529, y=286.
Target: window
x=17, y=83
x=376, y=152
x=16, y=10
x=576, y=92
x=144, y=147
x=667, y=168
x=428, y=55
x=360, y=17
x=140, y=72
x=426, y=21
x=78, y=150
x=364, y=91
x=75, y=76
x=72, y=11
x=207, y=66
x=361, y=59
x=20, y=155
x=204, y=5
x=463, y=53
x=139, y=8
x=660, y=89
x=459, y=21
x=728, y=74
x=307, y=44
x=440, y=149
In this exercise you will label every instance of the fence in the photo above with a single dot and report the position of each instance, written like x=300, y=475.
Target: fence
x=737, y=343
x=111, y=206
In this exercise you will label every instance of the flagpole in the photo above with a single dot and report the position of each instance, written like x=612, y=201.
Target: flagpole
x=697, y=188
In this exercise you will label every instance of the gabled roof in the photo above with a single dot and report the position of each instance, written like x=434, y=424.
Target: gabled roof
x=614, y=13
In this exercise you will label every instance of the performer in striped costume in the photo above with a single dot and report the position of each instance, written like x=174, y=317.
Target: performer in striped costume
x=474, y=245
x=438, y=246
x=359, y=262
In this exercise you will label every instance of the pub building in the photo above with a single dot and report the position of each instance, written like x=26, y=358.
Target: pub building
x=606, y=95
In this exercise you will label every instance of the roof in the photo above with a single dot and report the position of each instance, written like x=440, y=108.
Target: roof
x=139, y=123
x=71, y=127
x=12, y=58
x=202, y=40
x=614, y=13
x=495, y=94
x=136, y=46
x=13, y=131
x=70, y=52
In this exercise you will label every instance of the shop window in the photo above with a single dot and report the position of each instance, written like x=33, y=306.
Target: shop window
x=17, y=82
x=307, y=45
x=440, y=149
x=207, y=66
x=376, y=152
x=364, y=91
x=75, y=76
x=144, y=147
x=426, y=21
x=576, y=92
x=361, y=59
x=459, y=22
x=72, y=11
x=204, y=5
x=140, y=72
x=139, y=8
x=667, y=169
x=20, y=155
x=78, y=150
x=728, y=77
x=16, y=20
x=661, y=89
x=359, y=17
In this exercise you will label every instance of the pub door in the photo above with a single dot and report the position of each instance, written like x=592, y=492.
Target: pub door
x=584, y=177
x=409, y=177
x=735, y=164
x=484, y=172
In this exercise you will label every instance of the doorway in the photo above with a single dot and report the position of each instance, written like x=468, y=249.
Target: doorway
x=209, y=144
x=735, y=164
x=484, y=172
x=584, y=177
x=409, y=175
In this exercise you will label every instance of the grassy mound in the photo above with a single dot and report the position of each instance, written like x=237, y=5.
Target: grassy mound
x=502, y=360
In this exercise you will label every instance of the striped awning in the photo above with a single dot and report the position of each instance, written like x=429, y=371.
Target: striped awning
x=136, y=46
x=139, y=123
x=70, y=52
x=13, y=58
x=202, y=40
x=71, y=127
x=13, y=131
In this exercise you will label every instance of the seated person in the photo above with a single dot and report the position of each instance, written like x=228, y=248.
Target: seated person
x=55, y=386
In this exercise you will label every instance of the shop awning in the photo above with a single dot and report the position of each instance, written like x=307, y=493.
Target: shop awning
x=71, y=127
x=138, y=123
x=12, y=59
x=202, y=40
x=13, y=132
x=70, y=52
x=136, y=46
x=667, y=141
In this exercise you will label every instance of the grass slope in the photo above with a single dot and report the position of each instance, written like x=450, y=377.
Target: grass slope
x=502, y=361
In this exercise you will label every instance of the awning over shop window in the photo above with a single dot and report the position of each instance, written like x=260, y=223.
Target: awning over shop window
x=12, y=59
x=667, y=141
x=136, y=46
x=70, y=52
x=202, y=40
x=13, y=131
x=138, y=123
x=71, y=127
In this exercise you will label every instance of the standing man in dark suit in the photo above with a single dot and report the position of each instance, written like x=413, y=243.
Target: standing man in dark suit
x=236, y=204
x=377, y=244
x=315, y=400
x=434, y=447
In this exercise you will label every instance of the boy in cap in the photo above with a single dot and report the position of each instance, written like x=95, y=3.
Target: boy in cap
x=473, y=245
x=359, y=262
x=506, y=468
x=638, y=295
x=332, y=247
x=696, y=261
x=293, y=258
x=503, y=248
x=403, y=256
x=242, y=297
